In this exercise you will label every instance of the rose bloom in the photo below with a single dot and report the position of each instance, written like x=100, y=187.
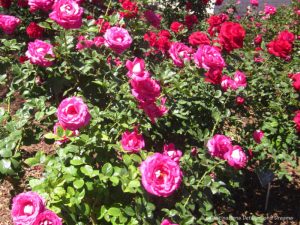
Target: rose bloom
x=286, y=36
x=5, y=3
x=47, y=218
x=132, y=141
x=44, y=5
x=258, y=135
x=254, y=2
x=215, y=22
x=214, y=76
x=218, y=145
x=258, y=40
x=161, y=176
x=190, y=21
x=167, y=222
x=219, y=2
x=239, y=79
x=34, y=30
x=130, y=9
x=270, y=10
x=227, y=82
x=239, y=100
x=64, y=138
x=297, y=120
x=153, y=18
x=9, y=23
x=280, y=48
x=38, y=51
x=83, y=43
x=26, y=207
x=145, y=90
x=22, y=3
x=154, y=111
x=236, y=157
x=67, y=13
x=136, y=69
x=198, y=38
x=172, y=152
x=209, y=57
x=231, y=36
x=296, y=81
x=117, y=39
x=176, y=27
x=73, y=114
x=180, y=53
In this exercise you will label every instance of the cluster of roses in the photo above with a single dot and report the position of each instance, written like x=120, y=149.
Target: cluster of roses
x=145, y=89
x=29, y=208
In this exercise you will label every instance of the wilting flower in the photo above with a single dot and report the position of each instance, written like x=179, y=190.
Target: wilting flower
x=236, y=157
x=218, y=145
x=161, y=176
x=73, y=114
x=209, y=58
x=47, y=218
x=67, y=13
x=26, y=207
x=38, y=51
x=172, y=152
x=132, y=141
x=118, y=39
x=9, y=23
x=258, y=135
x=180, y=53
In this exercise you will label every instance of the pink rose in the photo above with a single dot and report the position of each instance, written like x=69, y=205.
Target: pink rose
x=167, y=222
x=67, y=13
x=218, y=145
x=258, y=40
x=145, y=90
x=73, y=114
x=236, y=157
x=44, y=5
x=240, y=79
x=209, y=57
x=239, y=100
x=9, y=23
x=64, y=138
x=161, y=176
x=180, y=53
x=132, y=141
x=270, y=10
x=47, y=218
x=297, y=120
x=254, y=2
x=118, y=39
x=226, y=83
x=152, y=110
x=83, y=43
x=136, y=69
x=174, y=154
x=296, y=81
x=26, y=207
x=38, y=51
x=258, y=135
x=98, y=41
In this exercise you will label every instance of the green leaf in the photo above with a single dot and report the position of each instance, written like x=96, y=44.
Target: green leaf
x=113, y=211
x=50, y=136
x=78, y=183
x=107, y=169
x=87, y=170
x=77, y=161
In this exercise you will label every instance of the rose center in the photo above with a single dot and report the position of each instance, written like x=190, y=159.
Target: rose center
x=235, y=154
x=28, y=209
x=46, y=222
x=66, y=8
x=136, y=68
x=71, y=110
x=39, y=50
x=159, y=174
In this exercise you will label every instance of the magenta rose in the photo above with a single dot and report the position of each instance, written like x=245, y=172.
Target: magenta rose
x=44, y=5
x=180, y=53
x=136, y=69
x=9, y=23
x=227, y=82
x=47, y=218
x=270, y=9
x=254, y=2
x=209, y=58
x=26, y=207
x=132, y=141
x=117, y=39
x=38, y=51
x=236, y=157
x=154, y=111
x=73, y=114
x=67, y=13
x=145, y=90
x=167, y=222
x=240, y=79
x=258, y=135
x=161, y=176
x=297, y=120
x=218, y=145
x=172, y=152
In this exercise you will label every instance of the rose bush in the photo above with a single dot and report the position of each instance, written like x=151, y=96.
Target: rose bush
x=150, y=120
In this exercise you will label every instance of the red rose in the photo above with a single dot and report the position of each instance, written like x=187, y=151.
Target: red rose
x=199, y=38
x=34, y=30
x=151, y=38
x=190, y=21
x=214, y=23
x=130, y=9
x=22, y=59
x=231, y=36
x=258, y=39
x=297, y=121
x=5, y=3
x=22, y=3
x=296, y=81
x=103, y=25
x=176, y=27
x=286, y=36
x=280, y=48
x=219, y=2
x=214, y=76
